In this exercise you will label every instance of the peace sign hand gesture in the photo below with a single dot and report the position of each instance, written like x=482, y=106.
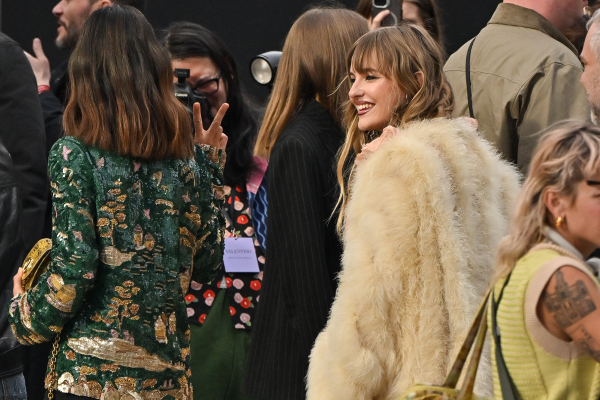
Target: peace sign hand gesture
x=214, y=136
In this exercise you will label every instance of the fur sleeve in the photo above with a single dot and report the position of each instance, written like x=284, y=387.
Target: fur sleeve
x=426, y=213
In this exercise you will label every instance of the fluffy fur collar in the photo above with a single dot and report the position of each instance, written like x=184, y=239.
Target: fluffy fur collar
x=426, y=212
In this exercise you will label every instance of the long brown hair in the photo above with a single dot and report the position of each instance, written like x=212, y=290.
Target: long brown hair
x=312, y=65
x=121, y=85
x=401, y=51
x=568, y=153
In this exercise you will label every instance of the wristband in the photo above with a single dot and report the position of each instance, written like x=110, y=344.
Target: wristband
x=43, y=88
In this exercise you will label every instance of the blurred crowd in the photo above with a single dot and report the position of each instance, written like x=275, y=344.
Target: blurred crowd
x=395, y=223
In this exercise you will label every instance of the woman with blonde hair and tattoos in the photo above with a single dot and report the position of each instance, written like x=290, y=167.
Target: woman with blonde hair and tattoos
x=548, y=298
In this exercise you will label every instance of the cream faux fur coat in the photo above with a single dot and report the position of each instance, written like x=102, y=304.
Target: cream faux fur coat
x=427, y=210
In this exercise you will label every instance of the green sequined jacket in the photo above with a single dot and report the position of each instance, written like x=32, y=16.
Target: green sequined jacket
x=128, y=235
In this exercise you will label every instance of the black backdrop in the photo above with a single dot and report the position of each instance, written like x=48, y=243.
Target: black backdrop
x=247, y=27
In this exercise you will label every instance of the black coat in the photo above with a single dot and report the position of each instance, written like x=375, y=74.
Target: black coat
x=10, y=255
x=53, y=104
x=22, y=134
x=303, y=255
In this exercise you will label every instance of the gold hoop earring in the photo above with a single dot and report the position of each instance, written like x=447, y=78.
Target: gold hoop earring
x=559, y=222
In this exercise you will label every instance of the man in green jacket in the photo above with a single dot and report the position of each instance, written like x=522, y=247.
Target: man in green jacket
x=524, y=74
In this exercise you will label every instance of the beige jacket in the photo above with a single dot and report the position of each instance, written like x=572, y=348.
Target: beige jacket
x=427, y=210
x=524, y=76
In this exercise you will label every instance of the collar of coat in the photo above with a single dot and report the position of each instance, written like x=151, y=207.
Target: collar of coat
x=513, y=15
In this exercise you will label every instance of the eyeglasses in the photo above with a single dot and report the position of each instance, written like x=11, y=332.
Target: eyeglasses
x=208, y=87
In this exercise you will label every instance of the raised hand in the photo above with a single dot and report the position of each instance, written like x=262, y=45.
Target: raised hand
x=39, y=63
x=214, y=136
x=376, y=22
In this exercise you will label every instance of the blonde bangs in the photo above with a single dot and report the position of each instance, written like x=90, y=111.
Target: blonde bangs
x=365, y=50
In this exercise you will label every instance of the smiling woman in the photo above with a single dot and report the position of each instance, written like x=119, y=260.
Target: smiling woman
x=426, y=203
x=374, y=96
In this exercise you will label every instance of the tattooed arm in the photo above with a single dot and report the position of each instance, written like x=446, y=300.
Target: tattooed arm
x=569, y=308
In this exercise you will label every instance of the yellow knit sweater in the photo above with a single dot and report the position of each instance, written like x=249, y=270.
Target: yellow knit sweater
x=541, y=365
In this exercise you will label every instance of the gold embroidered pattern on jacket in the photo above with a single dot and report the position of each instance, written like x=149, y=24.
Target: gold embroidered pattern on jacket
x=112, y=256
x=61, y=296
x=121, y=352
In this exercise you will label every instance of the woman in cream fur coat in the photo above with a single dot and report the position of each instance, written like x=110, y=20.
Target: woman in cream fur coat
x=427, y=204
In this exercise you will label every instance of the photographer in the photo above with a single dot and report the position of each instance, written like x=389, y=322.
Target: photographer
x=221, y=312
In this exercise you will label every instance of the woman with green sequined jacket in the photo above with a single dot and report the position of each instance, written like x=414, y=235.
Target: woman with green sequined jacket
x=135, y=218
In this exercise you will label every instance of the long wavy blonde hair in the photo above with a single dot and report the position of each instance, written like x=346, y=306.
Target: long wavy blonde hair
x=568, y=153
x=400, y=52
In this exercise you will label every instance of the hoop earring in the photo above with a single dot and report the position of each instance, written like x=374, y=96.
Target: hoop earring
x=559, y=221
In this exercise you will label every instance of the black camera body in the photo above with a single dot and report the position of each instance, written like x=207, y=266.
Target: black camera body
x=188, y=96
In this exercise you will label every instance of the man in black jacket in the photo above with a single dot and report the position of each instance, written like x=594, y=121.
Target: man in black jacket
x=23, y=191
x=11, y=372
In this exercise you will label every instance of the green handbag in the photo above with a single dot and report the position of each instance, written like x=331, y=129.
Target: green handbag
x=474, y=344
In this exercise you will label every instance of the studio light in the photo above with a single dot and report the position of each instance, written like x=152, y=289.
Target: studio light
x=264, y=67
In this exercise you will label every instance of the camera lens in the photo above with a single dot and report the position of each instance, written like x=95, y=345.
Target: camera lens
x=261, y=71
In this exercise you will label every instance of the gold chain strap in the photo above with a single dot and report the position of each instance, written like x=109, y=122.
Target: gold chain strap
x=53, y=376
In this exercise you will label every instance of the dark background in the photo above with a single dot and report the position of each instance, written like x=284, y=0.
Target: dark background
x=247, y=27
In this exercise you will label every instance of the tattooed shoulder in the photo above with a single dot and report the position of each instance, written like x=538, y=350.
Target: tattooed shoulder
x=588, y=344
x=569, y=303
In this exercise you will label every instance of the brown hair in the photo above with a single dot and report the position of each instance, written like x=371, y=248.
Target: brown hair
x=121, y=85
x=568, y=153
x=365, y=8
x=400, y=52
x=139, y=4
x=429, y=13
x=312, y=65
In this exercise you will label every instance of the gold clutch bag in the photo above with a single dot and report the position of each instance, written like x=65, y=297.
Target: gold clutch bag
x=36, y=263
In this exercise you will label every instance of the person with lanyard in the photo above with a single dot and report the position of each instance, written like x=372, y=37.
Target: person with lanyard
x=221, y=312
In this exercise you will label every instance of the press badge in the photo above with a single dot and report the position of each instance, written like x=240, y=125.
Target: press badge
x=240, y=255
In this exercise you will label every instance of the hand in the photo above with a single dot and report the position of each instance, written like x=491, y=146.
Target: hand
x=389, y=131
x=376, y=22
x=39, y=63
x=17, y=286
x=214, y=136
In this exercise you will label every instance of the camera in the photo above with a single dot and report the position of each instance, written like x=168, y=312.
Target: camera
x=188, y=96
